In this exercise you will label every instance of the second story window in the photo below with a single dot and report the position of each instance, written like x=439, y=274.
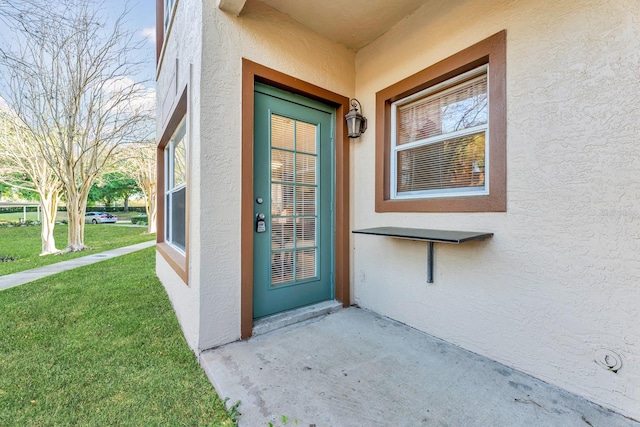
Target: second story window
x=168, y=11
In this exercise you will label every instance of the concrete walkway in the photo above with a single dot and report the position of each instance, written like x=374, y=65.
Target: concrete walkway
x=355, y=368
x=22, y=277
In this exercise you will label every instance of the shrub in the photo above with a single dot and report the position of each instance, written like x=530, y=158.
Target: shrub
x=26, y=223
x=141, y=220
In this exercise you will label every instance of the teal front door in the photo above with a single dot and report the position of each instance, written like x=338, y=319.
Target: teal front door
x=293, y=193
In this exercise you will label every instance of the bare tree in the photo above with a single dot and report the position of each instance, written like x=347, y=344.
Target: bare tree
x=70, y=82
x=139, y=162
x=24, y=167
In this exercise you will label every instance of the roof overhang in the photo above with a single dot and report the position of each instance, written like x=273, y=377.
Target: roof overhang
x=231, y=6
x=353, y=23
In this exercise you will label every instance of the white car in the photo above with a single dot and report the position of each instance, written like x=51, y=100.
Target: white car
x=99, y=217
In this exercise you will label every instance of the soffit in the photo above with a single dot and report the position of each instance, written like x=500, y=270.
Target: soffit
x=353, y=23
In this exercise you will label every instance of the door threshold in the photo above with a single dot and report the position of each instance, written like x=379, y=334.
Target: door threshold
x=290, y=317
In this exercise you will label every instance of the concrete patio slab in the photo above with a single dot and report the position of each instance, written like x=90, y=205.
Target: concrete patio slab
x=355, y=368
x=17, y=279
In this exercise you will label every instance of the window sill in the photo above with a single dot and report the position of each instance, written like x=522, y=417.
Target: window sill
x=484, y=203
x=176, y=260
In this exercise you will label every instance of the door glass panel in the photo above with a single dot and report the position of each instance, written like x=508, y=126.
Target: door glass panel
x=306, y=232
x=305, y=138
x=282, y=168
x=282, y=200
x=305, y=201
x=282, y=132
x=305, y=168
x=282, y=232
x=282, y=267
x=306, y=264
x=294, y=211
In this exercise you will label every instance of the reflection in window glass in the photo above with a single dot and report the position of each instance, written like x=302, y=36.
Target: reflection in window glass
x=440, y=144
x=179, y=163
x=178, y=224
x=176, y=188
x=168, y=9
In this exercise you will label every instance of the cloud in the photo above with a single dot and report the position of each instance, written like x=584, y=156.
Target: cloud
x=118, y=84
x=149, y=33
x=144, y=100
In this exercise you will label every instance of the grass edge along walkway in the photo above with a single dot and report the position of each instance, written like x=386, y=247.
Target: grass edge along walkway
x=23, y=244
x=100, y=345
x=26, y=276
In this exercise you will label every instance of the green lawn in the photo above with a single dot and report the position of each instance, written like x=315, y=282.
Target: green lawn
x=100, y=346
x=60, y=216
x=16, y=216
x=23, y=243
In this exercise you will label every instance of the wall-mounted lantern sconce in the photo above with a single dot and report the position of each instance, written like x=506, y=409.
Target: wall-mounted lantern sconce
x=356, y=122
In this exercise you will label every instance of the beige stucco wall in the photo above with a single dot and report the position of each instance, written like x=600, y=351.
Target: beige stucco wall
x=559, y=279
x=209, y=308
x=180, y=57
x=273, y=40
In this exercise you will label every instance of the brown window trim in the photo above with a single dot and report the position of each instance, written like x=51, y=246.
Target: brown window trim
x=490, y=51
x=176, y=260
x=253, y=72
x=162, y=33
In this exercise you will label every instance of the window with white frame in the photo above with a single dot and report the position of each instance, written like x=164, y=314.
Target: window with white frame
x=176, y=187
x=439, y=139
x=441, y=135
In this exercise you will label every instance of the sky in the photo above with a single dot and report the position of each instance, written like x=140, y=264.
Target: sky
x=142, y=21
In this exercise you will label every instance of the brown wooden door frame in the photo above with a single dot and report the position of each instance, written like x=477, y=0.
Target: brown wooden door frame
x=251, y=73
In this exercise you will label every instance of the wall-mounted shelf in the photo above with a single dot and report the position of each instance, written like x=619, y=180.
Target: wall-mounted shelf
x=430, y=236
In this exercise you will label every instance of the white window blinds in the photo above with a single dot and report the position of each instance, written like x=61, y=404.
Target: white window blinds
x=439, y=139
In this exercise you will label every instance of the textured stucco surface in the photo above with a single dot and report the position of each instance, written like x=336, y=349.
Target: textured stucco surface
x=559, y=279
x=272, y=39
x=266, y=36
x=181, y=55
x=557, y=282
